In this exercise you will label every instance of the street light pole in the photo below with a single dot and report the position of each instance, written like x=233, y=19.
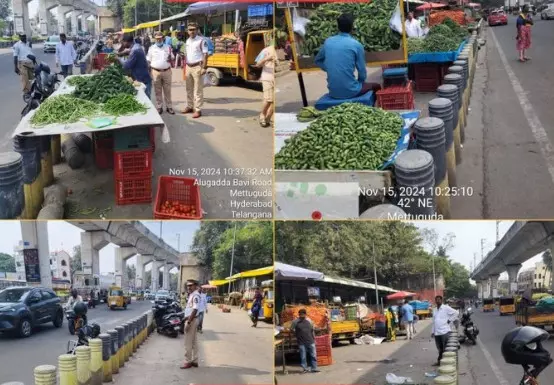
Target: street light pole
x=180, y=264
x=375, y=276
x=232, y=255
x=160, y=25
x=434, y=276
x=136, y=15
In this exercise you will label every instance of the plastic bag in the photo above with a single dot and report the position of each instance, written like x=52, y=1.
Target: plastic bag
x=165, y=135
x=393, y=379
x=206, y=80
x=299, y=23
x=396, y=20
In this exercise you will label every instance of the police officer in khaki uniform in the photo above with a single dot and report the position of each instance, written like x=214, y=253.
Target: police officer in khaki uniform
x=191, y=325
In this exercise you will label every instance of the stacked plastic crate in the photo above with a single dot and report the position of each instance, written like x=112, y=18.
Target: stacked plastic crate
x=427, y=77
x=103, y=149
x=397, y=92
x=260, y=15
x=323, y=350
x=133, y=165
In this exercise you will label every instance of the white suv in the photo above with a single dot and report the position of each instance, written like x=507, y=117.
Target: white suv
x=548, y=12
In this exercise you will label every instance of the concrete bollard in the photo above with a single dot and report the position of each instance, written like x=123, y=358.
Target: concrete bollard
x=30, y=150
x=95, y=361
x=135, y=334
x=442, y=108
x=83, y=365
x=142, y=328
x=120, y=347
x=126, y=341
x=415, y=169
x=106, y=357
x=150, y=321
x=448, y=362
x=45, y=375
x=113, y=351
x=131, y=338
x=449, y=371
x=67, y=369
x=144, y=323
x=46, y=161
x=56, y=149
x=13, y=383
x=444, y=380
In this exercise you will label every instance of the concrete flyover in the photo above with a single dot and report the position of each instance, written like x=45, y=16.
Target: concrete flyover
x=524, y=240
x=132, y=238
x=82, y=8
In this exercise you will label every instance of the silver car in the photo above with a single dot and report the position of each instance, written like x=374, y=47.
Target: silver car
x=51, y=43
x=548, y=12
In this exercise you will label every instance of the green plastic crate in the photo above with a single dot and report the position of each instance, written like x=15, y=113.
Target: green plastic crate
x=132, y=138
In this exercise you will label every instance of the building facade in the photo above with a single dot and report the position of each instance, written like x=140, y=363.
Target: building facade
x=542, y=278
x=525, y=279
x=60, y=263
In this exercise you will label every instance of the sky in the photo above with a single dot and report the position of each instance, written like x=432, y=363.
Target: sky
x=468, y=239
x=63, y=236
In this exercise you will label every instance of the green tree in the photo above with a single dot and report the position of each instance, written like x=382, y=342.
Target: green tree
x=76, y=263
x=148, y=10
x=207, y=238
x=7, y=263
x=458, y=285
x=547, y=260
x=131, y=273
x=147, y=279
x=5, y=9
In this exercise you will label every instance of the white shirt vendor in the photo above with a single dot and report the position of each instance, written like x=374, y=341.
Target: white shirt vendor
x=413, y=28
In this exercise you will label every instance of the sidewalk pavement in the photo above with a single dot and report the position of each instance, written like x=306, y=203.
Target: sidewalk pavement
x=369, y=364
x=231, y=352
x=226, y=145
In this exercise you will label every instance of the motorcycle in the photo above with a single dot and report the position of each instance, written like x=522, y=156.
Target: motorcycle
x=91, y=303
x=470, y=330
x=74, y=322
x=82, y=49
x=83, y=336
x=43, y=85
x=168, y=320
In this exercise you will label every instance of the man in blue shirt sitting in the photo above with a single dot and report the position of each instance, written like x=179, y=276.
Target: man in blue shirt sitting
x=339, y=56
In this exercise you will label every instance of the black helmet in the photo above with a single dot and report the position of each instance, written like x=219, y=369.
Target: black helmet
x=80, y=308
x=523, y=346
x=95, y=330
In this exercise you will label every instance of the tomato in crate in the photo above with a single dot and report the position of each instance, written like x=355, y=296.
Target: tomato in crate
x=177, y=198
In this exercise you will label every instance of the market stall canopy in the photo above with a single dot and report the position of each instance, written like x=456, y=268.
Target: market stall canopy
x=220, y=282
x=214, y=7
x=430, y=6
x=209, y=286
x=149, y=24
x=354, y=283
x=284, y=271
x=400, y=295
x=254, y=273
x=128, y=30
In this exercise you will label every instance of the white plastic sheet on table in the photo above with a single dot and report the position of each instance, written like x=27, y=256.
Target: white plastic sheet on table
x=151, y=118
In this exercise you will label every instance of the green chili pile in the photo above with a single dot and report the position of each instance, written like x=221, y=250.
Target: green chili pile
x=123, y=104
x=64, y=109
x=350, y=136
x=76, y=80
x=371, y=26
x=104, y=85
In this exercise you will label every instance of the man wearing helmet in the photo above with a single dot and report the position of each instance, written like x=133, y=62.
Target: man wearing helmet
x=75, y=297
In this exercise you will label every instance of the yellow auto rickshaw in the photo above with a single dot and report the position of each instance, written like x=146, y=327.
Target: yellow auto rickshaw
x=268, y=301
x=117, y=298
x=507, y=306
x=488, y=305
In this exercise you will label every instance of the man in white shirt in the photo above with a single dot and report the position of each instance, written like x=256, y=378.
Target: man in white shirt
x=196, y=59
x=203, y=308
x=191, y=325
x=443, y=317
x=413, y=26
x=23, y=65
x=66, y=55
x=267, y=61
x=159, y=59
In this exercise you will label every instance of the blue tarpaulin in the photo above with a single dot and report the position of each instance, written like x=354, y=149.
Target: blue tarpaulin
x=420, y=305
x=435, y=57
x=410, y=118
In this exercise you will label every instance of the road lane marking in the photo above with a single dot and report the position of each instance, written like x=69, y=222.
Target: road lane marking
x=539, y=133
x=492, y=363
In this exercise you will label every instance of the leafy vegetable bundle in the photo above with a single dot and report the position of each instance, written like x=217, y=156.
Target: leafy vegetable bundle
x=371, y=26
x=443, y=37
x=350, y=136
x=104, y=85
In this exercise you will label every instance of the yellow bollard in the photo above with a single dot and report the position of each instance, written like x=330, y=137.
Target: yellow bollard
x=135, y=334
x=444, y=380
x=449, y=371
x=113, y=347
x=106, y=357
x=451, y=165
x=45, y=375
x=448, y=362
x=95, y=361
x=83, y=365
x=120, y=345
x=458, y=143
x=67, y=368
x=46, y=161
x=443, y=198
x=56, y=148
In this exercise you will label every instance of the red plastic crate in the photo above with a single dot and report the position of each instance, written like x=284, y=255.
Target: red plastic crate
x=396, y=98
x=323, y=340
x=103, y=153
x=133, y=190
x=101, y=61
x=153, y=138
x=177, y=189
x=324, y=361
x=427, y=85
x=323, y=351
x=133, y=163
x=426, y=71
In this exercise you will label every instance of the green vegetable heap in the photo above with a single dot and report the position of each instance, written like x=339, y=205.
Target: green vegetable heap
x=76, y=80
x=123, y=104
x=443, y=37
x=64, y=109
x=350, y=136
x=104, y=85
x=371, y=27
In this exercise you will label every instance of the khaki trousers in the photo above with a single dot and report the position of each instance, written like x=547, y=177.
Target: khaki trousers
x=26, y=74
x=195, y=88
x=191, y=343
x=161, y=80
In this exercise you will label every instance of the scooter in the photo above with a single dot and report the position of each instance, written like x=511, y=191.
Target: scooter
x=470, y=330
x=168, y=321
x=74, y=322
x=43, y=85
x=83, y=336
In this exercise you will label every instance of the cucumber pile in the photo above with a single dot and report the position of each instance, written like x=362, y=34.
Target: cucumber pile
x=350, y=136
x=104, y=85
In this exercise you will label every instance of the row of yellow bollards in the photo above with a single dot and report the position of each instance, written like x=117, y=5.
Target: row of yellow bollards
x=448, y=368
x=97, y=363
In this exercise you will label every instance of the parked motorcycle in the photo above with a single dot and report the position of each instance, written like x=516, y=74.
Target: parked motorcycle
x=168, y=321
x=470, y=330
x=43, y=85
x=83, y=336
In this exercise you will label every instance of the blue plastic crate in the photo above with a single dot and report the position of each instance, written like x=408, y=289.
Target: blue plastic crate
x=260, y=10
x=132, y=138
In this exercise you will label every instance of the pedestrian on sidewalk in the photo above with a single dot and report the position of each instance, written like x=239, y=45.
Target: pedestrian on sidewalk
x=66, y=56
x=256, y=307
x=523, y=25
x=24, y=67
x=136, y=64
x=391, y=323
x=159, y=59
x=443, y=316
x=203, y=309
x=304, y=330
x=191, y=326
x=407, y=312
x=267, y=60
x=416, y=318
x=196, y=61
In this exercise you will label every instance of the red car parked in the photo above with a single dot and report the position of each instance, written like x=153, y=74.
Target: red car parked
x=498, y=18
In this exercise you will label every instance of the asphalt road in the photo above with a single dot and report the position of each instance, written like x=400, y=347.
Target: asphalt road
x=11, y=99
x=486, y=363
x=517, y=130
x=18, y=357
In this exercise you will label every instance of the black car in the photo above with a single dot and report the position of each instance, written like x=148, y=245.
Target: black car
x=22, y=308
